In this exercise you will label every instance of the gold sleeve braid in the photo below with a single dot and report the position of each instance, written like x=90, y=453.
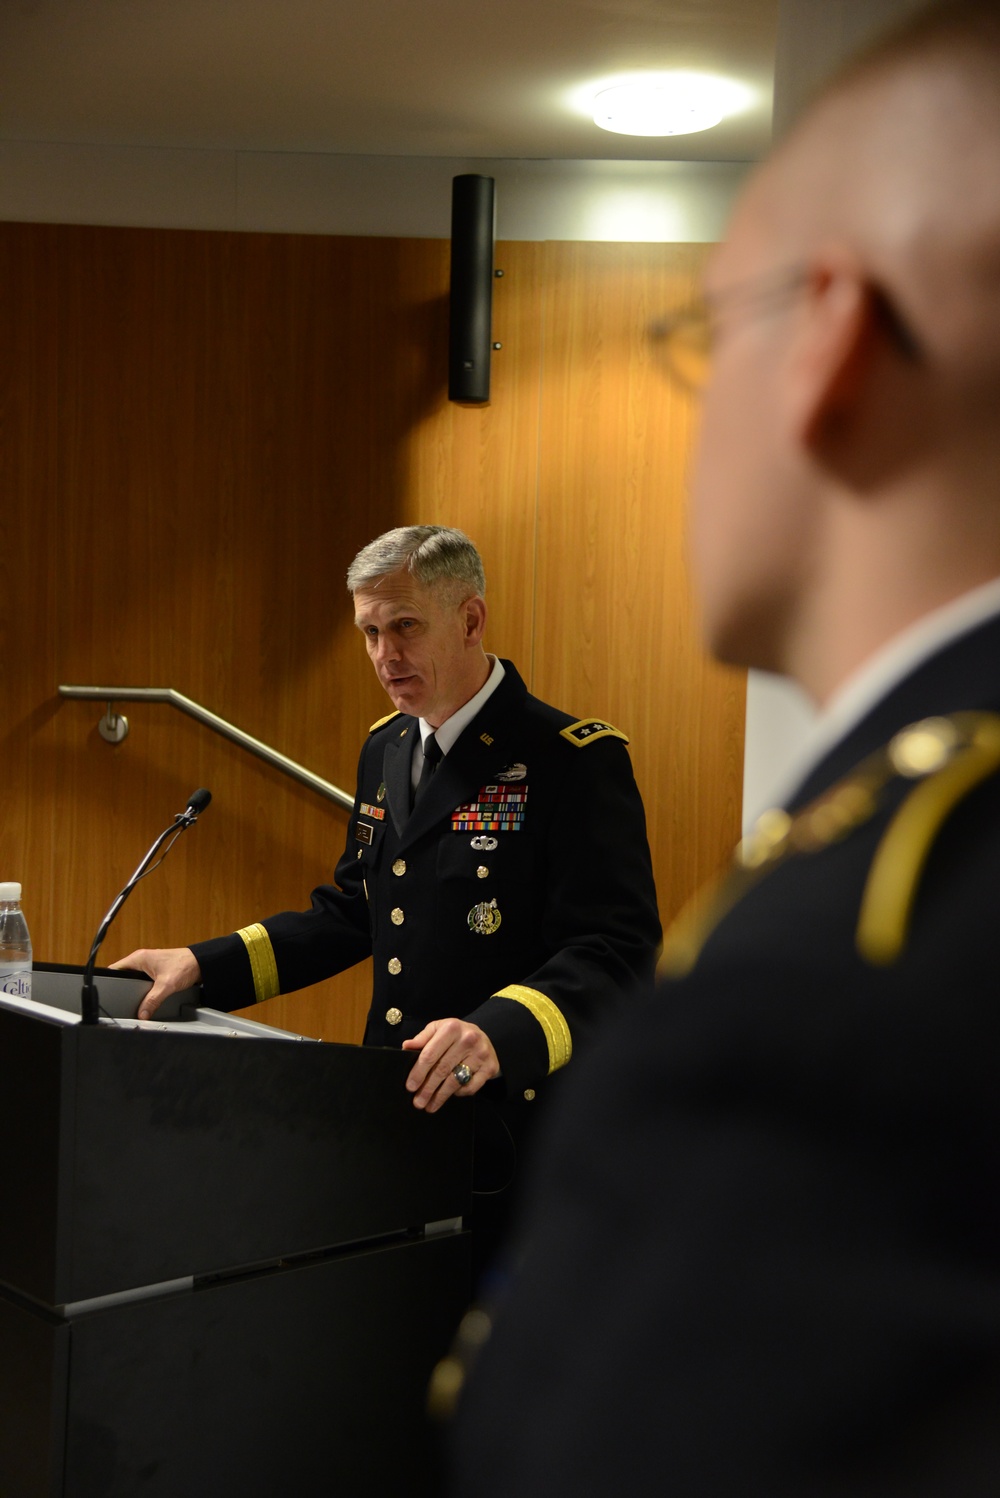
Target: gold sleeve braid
x=262, y=962
x=549, y=1016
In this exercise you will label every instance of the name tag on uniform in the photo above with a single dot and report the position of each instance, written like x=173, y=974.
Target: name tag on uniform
x=363, y=832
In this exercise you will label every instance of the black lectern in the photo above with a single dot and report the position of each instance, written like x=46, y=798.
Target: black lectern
x=228, y=1261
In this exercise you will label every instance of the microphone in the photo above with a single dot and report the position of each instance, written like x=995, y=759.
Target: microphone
x=196, y=804
x=197, y=801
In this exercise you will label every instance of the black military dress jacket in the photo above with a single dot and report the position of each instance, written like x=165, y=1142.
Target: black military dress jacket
x=762, y=1246
x=519, y=893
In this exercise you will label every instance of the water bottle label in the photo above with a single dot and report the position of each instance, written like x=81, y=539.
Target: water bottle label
x=17, y=983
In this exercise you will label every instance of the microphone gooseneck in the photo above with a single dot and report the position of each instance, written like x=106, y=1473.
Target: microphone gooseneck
x=196, y=804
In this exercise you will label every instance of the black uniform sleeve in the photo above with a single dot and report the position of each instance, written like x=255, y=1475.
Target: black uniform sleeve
x=597, y=921
x=295, y=948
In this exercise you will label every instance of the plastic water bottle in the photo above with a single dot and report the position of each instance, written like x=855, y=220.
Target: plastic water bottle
x=15, y=944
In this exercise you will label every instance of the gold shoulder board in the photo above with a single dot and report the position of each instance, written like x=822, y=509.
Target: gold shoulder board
x=946, y=758
x=968, y=754
x=589, y=730
x=387, y=719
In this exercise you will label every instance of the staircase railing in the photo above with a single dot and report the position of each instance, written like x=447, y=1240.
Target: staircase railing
x=113, y=727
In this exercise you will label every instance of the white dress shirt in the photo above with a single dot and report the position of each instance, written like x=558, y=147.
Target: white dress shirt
x=450, y=729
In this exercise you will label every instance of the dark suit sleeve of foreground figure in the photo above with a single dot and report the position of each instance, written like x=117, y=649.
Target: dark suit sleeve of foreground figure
x=764, y=1240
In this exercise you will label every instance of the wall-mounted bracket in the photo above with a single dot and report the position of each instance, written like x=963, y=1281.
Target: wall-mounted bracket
x=113, y=727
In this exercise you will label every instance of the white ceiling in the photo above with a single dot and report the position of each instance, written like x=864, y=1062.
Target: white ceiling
x=471, y=78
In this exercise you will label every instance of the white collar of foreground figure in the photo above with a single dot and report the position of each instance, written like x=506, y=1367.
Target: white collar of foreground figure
x=890, y=665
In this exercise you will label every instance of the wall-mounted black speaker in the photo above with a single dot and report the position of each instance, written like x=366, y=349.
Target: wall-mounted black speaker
x=473, y=209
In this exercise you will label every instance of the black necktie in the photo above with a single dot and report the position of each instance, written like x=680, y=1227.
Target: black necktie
x=432, y=758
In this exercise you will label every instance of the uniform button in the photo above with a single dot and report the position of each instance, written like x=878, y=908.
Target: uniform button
x=482, y=872
x=393, y=1016
x=396, y=917
x=395, y=966
x=360, y=851
x=399, y=867
x=529, y=1094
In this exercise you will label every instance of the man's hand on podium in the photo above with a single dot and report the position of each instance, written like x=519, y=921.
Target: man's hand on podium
x=456, y=1059
x=171, y=969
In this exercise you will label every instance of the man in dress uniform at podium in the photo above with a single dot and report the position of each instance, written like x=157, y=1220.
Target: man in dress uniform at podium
x=496, y=863
x=761, y=1255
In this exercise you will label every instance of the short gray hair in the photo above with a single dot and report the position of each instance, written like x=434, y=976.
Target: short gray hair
x=431, y=553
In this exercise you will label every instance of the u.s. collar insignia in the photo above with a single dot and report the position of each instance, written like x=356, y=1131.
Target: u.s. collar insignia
x=484, y=844
x=484, y=918
x=515, y=771
x=380, y=793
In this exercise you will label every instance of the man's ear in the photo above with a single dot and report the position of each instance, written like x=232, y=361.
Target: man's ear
x=474, y=619
x=837, y=339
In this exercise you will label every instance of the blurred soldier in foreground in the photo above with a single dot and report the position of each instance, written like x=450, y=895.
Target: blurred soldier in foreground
x=762, y=1251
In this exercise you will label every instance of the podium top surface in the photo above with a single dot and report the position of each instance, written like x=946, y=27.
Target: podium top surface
x=56, y=999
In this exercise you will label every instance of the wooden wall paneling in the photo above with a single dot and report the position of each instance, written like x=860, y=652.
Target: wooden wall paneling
x=200, y=430
x=228, y=418
x=616, y=631
x=29, y=456
x=477, y=466
x=224, y=420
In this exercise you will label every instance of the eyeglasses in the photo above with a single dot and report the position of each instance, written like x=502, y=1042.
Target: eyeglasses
x=686, y=338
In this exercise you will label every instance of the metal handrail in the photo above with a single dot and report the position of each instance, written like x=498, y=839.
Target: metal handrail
x=114, y=727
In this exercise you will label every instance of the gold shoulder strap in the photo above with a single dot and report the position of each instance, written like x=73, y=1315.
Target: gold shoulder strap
x=382, y=721
x=899, y=862
x=589, y=730
x=948, y=756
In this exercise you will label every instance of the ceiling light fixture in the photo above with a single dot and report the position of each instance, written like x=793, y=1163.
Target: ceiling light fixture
x=668, y=104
